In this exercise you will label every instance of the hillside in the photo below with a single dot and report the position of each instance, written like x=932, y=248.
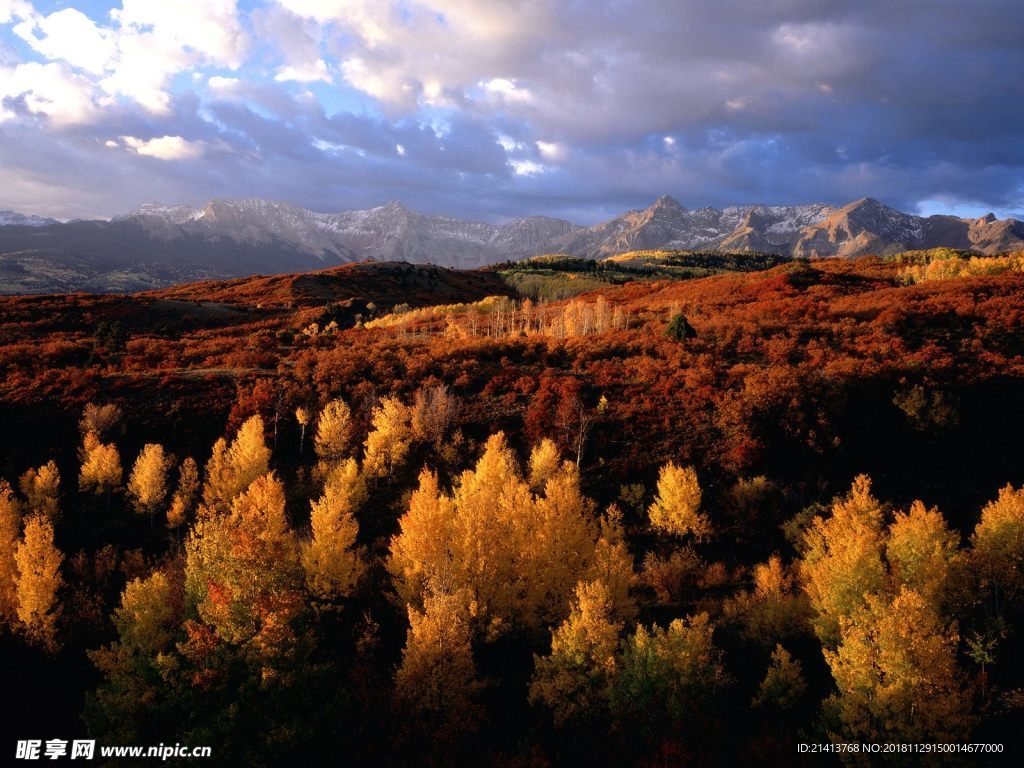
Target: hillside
x=367, y=401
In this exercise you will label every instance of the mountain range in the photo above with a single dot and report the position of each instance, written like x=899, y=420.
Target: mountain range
x=157, y=245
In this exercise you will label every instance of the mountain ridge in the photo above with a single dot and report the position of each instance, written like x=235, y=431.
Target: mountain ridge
x=157, y=245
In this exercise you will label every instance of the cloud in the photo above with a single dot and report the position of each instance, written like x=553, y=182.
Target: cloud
x=518, y=107
x=165, y=147
x=49, y=90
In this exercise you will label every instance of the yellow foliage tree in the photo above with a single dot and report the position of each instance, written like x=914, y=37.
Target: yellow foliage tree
x=390, y=435
x=997, y=548
x=184, y=500
x=676, y=508
x=896, y=674
x=41, y=489
x=38, y=581
x=563, y=535
x=613, y=564
x=545, y=461
x=330, y=558
x=436, y=681
x=574, y=680
x=10, y=531
x=147, y=484
x=242, y=570
x=922, y=551
x=421, y=553
x=842, y=561
x=517, y=555
x=101, y=466
x=333, y=436
x=232, y=468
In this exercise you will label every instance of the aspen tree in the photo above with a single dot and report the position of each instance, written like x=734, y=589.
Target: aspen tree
x=10, y=531
x=390, y=434
x=303, y=417
x=896, y=674
x=41, y=489
x=921, y=550
x=436, y=680
x=232, y=468
x=184, y=500
x=147, y=484
x=843, y=559
x=676, y=508
x=545, y=461
x=330, y=559
x=997, y=548
x=242, y=570
x=333, y=436
x=574, y=681
x=38, y=581
x=101, y=466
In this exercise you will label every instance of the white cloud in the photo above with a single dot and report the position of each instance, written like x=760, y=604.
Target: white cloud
x=14, y=9
x=552, y=151
x=165, y=147
x=50, y=89
x=308, y=73
x=526, y=167
x=72, y=36
x=506, y=89
x=219, y=83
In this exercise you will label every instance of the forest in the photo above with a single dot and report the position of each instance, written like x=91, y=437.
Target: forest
x=388, y=514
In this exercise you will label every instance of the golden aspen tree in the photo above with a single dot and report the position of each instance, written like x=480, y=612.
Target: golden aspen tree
x=232, y=468
x=330, y=559
x=783, y=684
x=896, y=674
x=41, y=489
x=333, y=436
x=38, y=581
x=421, y=552
x=574, y=681
x=10, y=532
x=390, y=434
x=676, y=508
x=184, y=500
x=242, y=570
x=101, y=470
x=494, y=509
x=560, y=545
x=303, y=417
x=922, y=551
x=997, y=548
x=436, y=681
x=147, y=484
x=612, y=564
x=842, y=561
x=545, y=461
x=518, y=556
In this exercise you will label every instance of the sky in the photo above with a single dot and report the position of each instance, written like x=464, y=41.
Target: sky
x=492, y=109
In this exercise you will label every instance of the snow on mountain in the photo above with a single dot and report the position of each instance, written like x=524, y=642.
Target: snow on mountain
x=15, y=219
